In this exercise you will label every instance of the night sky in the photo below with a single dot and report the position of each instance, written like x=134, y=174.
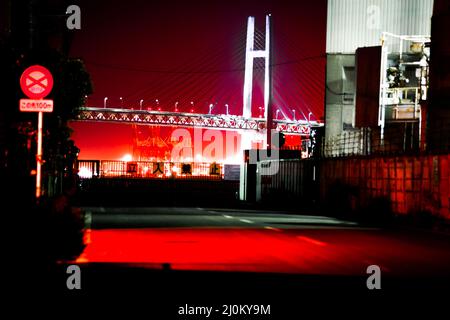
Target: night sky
x=194, y=51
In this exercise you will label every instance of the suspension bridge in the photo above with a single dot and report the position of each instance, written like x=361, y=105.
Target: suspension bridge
x=250, y=128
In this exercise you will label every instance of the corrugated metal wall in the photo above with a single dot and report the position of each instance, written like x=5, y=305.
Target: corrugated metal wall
x=359, y=23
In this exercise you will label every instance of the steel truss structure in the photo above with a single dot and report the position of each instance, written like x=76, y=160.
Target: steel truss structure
x=209, y=121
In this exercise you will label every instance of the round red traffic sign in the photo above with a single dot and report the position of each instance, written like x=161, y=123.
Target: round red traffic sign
x=36, y=82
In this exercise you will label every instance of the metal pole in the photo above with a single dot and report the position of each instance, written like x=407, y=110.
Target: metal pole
x=268, y=94
x=382, y=109
x=39, y=155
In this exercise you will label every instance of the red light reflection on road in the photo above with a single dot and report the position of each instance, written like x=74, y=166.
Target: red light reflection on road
x=258, y=250
x=302, y=251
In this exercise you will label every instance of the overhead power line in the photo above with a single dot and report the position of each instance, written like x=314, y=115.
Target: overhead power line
x=137, y=69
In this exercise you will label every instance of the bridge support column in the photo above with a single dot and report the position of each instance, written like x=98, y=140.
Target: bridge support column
x=250, y=55
x=248, y=137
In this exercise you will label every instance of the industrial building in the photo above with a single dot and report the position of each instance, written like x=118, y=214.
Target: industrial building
x=385, y=106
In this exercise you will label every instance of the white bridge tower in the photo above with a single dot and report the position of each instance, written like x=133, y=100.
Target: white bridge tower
x=263, y=134
x=250, y=55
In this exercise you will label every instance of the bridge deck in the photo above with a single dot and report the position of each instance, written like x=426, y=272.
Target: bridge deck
x=211, y=121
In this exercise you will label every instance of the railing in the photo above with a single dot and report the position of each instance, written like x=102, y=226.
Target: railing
x=347, y=143
x=146, y=169
x=402, y=103
x=400, y=138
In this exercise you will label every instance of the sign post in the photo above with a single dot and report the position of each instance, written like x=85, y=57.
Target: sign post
x=36, y=83
x=39, y=154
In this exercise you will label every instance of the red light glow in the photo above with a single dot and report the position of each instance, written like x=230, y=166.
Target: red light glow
x=203, y=249
x=302, y=251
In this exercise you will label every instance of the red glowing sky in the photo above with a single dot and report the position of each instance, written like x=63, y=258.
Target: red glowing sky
x=185, y=51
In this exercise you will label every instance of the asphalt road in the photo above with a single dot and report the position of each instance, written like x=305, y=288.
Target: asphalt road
x=158, y=259
x=193, y=239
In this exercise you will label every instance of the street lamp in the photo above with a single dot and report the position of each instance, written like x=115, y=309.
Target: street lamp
x=276, y=115
x=211, y=106
x=293, y=110
x=309, y=117
x=157, y=105
x=140, y=103
x=176, y=106
x=104, y=102
x=192, y=106
x=121, y=102
x=226, y=107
